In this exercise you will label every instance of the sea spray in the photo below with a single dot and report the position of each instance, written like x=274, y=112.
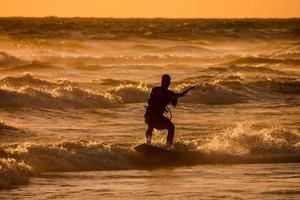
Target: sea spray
x=243, y=144
x=252, y=140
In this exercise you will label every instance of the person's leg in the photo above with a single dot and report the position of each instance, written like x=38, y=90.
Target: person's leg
x=165, y=123
x=149, y=134
x=161, y=123
x=171, y=132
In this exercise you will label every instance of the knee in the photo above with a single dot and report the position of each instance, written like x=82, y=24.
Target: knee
x=149, y=129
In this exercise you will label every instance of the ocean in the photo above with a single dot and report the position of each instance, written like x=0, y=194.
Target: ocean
x=72, y=97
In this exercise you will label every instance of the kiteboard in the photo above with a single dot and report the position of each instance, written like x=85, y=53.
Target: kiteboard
x=149, y=149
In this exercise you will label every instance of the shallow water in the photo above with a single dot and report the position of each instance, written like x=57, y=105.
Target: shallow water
x=255, y=181
x=72, y=99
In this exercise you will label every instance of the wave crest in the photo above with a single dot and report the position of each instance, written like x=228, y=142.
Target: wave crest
x=247, y=143
x=285, y=86
x=27, y=91
x=13, y=172
x=243, y=144
x=252, y=140
x=131, y=93
x=211, y=94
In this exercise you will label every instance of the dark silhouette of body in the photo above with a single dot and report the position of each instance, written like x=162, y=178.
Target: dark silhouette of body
x=159, y=98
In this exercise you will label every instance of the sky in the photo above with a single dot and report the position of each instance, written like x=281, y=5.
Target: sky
x=152, y=8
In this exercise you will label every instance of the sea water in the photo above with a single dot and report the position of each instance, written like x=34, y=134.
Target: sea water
x=72, y=97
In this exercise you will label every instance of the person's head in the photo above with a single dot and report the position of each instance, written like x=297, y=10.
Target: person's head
x=165, y=81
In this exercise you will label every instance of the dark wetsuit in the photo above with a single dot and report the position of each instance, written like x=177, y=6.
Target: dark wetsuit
x=154, y=116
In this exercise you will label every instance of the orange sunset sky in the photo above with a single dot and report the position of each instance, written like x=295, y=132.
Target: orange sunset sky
x=153, y=8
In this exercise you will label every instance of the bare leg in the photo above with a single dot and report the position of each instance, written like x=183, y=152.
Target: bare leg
x=171, y=131
x=149, y=134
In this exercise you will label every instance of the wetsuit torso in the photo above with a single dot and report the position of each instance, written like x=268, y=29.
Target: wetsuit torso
x=159, y=99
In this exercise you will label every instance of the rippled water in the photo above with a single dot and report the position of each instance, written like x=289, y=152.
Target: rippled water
x=263, y=181
x=72, y=96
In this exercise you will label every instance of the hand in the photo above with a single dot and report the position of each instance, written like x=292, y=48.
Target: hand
x=183, y=93
x=186, y=91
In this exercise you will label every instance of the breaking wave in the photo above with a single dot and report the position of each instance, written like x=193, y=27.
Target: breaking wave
x=285, y=86
x=212, y=94
x=58, y=98
x=13, y=172
x=254, y=140
x=28, y=91
x=243, y=144
x=131, y=93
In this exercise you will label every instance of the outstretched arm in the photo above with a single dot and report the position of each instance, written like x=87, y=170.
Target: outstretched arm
x=184, y=92
x=177, y=95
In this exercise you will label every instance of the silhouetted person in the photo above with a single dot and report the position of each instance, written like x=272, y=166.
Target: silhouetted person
x=159, y=98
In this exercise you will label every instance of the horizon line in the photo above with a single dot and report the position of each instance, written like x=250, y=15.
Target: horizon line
x=93, y=17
